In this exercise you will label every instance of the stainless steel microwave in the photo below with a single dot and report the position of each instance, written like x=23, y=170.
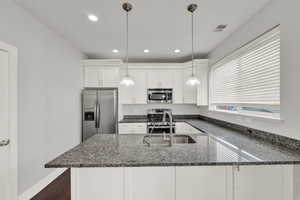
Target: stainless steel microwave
x=160, y=95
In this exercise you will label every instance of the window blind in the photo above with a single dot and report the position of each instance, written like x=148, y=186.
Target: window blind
x=251, y=75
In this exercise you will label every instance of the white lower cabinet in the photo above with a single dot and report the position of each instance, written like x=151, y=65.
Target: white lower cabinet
x=273, y=182
x=97, y=183
x=132, y=128
x=204, y=182
x=150, y=183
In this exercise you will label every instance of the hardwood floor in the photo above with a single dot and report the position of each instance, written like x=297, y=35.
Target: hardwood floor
x=59, y=189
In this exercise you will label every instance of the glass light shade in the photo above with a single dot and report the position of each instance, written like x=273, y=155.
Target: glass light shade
x=192, y=81
x=127, y=81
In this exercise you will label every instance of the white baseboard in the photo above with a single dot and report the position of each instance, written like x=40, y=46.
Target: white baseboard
x=36, y=188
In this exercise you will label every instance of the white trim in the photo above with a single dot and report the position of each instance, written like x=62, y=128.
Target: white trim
x=97, y=62
x=39, y=186
x=13, y=116
x=120, y=63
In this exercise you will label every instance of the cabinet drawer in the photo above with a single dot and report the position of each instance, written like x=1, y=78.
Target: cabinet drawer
x=140, y=128
x=132, y=128
x=125, y=128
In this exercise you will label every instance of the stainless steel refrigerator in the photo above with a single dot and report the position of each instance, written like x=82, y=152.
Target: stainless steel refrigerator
x=99, y=112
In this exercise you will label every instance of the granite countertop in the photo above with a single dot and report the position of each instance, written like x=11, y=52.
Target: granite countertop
x=216, y=146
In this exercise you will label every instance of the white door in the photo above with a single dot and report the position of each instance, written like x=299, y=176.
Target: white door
x=8, y=173
x=197, y=183
x=97, y=183
x=189, y=92
x=150, y=183
x=109, y=76
x=154, y=79
x=178, y=86
x=139, y=89
x=263, y=182
x=91, y=77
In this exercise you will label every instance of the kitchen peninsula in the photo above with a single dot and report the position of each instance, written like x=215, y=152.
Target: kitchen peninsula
x=223, y=164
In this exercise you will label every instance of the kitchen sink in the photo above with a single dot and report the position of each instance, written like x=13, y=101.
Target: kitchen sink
x=161, y=140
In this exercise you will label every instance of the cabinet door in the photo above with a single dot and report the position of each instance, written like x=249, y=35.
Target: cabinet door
x=153, y=79
x=139, y=90
x=109, y=77
x=166, y=78
x=125, y=128
x=262, y=182
x=202, y=88
x=151, y=183
x=178, y=86
x=125, y=93
x=140, y=128
x=97, y=183
x=160, y=78
x=91, y=77
x=189, y=92
x=196, y=183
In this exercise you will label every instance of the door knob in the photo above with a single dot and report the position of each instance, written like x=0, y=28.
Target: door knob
x=4, y=142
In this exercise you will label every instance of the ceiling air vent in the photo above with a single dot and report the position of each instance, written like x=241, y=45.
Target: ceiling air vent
x=220, y=28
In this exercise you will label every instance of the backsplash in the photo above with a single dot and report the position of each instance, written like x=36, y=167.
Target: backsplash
x=178, y=109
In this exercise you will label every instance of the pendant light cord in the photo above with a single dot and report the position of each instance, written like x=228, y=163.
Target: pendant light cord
x=127, y=43
x=192, y=43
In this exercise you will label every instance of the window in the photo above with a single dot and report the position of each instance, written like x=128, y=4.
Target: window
x=248, y=81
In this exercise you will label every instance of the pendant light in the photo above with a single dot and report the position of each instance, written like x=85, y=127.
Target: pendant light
x=192, y=80
x=127, y=80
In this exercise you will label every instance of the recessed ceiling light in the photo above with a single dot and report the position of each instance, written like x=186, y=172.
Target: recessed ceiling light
x=146, y=51
x=177, y=51
x=115, y=51
x=93, y=18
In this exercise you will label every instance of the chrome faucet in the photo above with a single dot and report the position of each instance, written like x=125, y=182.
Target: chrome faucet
x=169, y=113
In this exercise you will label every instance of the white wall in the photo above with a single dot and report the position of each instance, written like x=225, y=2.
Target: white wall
x=49, y=95
x=177, y=109
x=287, y=14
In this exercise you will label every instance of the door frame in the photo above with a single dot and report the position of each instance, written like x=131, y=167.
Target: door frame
x=13, y=116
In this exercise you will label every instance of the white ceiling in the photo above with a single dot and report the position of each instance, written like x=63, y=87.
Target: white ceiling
x=158, y=25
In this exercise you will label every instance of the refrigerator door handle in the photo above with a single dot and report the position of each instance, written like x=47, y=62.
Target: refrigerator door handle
x=97, y=115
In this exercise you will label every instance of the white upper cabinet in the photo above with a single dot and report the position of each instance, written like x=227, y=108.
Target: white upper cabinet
x=91, y=77
x=139, y=95
x=160, y=78
x=136, y=94
x=109, y=76
x=202, y=88
x=107, y=73
x=100, y=73
x=101, y=77
x=177, y=86
x=189, y=92
x=125, y=93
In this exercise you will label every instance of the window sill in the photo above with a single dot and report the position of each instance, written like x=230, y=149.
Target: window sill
x=251, y=116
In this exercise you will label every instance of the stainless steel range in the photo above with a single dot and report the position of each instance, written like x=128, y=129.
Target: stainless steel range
x=156, y=123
